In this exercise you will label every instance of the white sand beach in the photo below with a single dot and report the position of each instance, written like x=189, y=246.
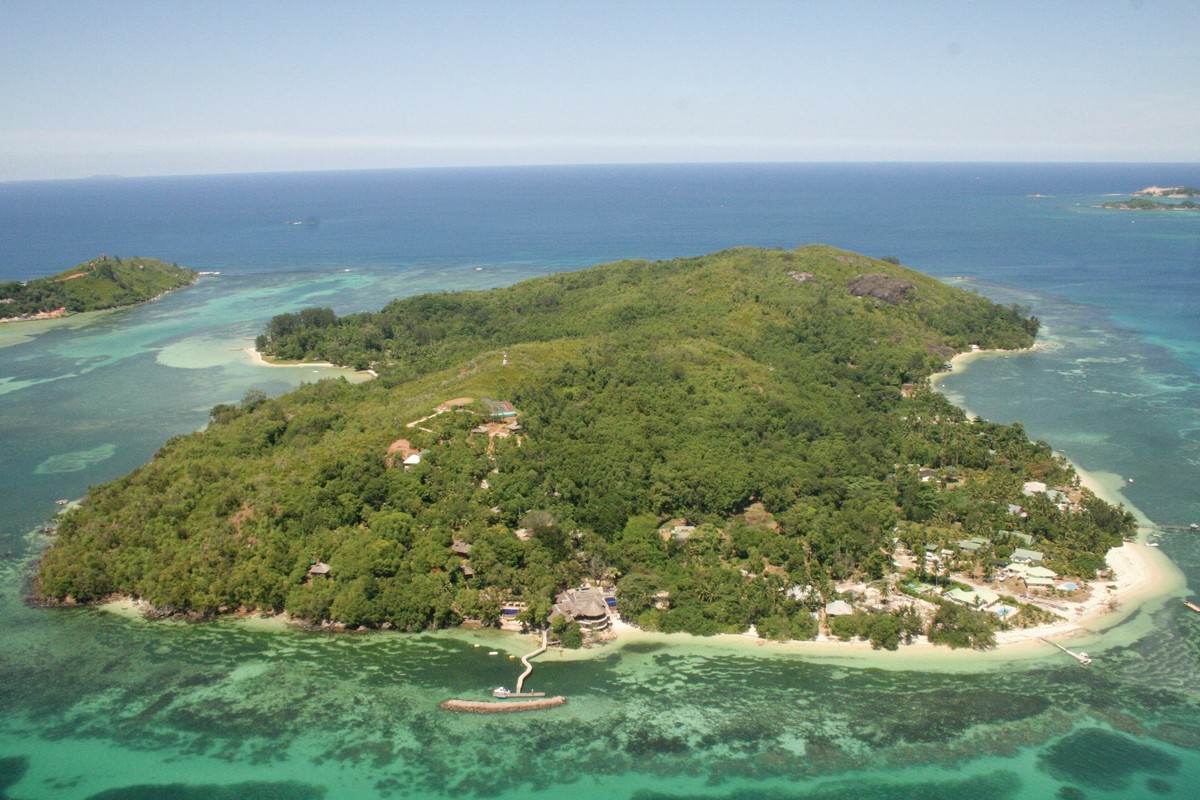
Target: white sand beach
x=259, y=360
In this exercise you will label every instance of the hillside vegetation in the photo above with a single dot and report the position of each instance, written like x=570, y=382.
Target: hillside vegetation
x=688, y=390
x=105, y=282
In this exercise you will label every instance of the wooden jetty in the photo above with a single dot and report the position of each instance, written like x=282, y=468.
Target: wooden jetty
x=1193, y=527
x=525, y=660
x=1082, y=658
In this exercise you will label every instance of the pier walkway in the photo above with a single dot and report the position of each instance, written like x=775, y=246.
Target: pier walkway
x=1082, y=658
x=525, y=660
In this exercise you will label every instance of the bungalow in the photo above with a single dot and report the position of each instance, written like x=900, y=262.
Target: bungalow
x=925, y=474
x=1038, y=583
x=1023, y=556
x=318, y=568
x=1015, y=510
x=461, y=548
x=1030, y=488
x=1041, y=572
x=971, y=545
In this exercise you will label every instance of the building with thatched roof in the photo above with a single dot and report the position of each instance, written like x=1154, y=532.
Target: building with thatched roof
x=586, y=605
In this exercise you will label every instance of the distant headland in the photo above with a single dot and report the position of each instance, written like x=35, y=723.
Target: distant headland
x=96, y=285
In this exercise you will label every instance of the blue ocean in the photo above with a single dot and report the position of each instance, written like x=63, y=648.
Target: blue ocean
x=102, y=705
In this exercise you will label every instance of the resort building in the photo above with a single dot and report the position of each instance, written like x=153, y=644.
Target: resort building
x=1023, y=556
x=677, y=530
x=1023, y=538
x=586, y=605
x=978, y=599
x=838, y=608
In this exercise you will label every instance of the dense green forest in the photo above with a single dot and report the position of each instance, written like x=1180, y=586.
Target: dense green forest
x=105, y=282
x=754, y=394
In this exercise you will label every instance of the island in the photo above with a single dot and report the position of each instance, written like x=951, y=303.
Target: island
x=1168, y=191
x=103, y=283
x=743, y=442
x=1143, y=204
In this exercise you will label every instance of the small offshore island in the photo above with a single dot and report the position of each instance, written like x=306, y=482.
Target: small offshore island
x=1140, y=200
x=744, y=441
x=97, y=285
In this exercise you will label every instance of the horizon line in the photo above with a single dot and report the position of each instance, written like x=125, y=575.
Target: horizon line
x=593, y=164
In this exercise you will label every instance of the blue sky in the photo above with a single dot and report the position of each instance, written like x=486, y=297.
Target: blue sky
x=154, y=88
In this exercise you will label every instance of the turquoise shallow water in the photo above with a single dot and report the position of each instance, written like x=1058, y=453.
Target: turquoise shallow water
x=97, y=705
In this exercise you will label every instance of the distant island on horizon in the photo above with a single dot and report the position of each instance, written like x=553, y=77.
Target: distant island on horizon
x=1145, y=204
x=1140, y=200
x=97, y=285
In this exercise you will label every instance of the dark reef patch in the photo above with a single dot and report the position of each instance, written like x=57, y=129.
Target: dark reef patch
x=996, y=786
x=11, y=772
x=251, y=790
x=1104, y=760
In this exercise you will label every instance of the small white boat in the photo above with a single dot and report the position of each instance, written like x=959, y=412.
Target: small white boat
x=1151, y=544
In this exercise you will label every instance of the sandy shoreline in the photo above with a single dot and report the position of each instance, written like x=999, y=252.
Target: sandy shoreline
x=259, y=361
